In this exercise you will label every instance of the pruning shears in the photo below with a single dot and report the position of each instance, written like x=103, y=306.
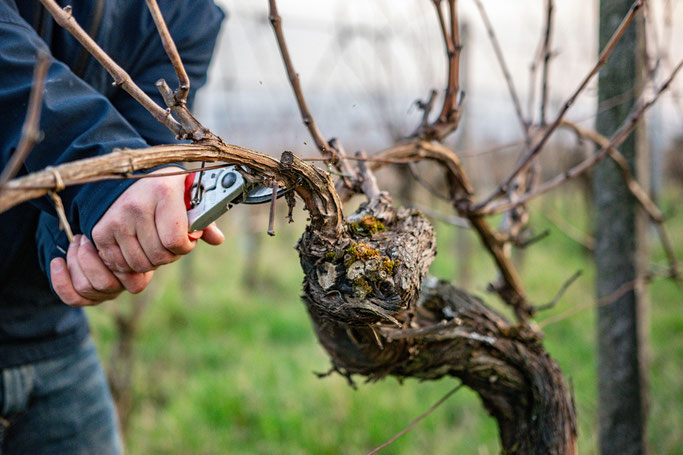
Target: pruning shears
x=209, y=194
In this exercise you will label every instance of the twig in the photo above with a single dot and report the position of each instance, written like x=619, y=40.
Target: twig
x=122, y=79
x=427, y=185
x=61, y=215
x=533, y=69
x=271, y=217
x=514, y=221
x=325, y=148
x=366, y=159
x=572, y=232
x=546, y=57
x=30, y=132
x=538, y=146
x=641, y=195
x=617, y=138
x=191, y=127
x=456, y=221
x=561, y=292
x=450, y=107
x=180, y=95
x=426, y=108
x=59, y=206
x=503, y=67
x=449, y=116
x=450, y=52
x=176, y=101
x=475, y=154
x=490, y=150
x=332, y=150
x=416, y=421
x=368, y=183
x=524, y=243
x=607, y=300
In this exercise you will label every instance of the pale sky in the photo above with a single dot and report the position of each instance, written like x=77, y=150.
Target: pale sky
x=356, y=55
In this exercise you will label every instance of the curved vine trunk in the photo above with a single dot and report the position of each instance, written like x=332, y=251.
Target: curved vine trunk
x=375, y=317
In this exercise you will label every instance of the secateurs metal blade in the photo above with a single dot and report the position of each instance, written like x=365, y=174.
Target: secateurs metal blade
x=209, y=194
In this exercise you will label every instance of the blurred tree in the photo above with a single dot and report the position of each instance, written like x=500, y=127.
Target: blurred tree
x=620, y=370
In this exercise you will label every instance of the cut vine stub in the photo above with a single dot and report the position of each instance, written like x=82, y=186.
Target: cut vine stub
x=373, y=270
x=369, y=277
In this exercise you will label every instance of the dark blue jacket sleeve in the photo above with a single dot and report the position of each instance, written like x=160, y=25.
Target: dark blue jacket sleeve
x=194, y=26
x=76, y=121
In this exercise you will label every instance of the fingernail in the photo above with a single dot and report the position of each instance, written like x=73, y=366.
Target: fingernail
x=56, y=265
x=83, y=240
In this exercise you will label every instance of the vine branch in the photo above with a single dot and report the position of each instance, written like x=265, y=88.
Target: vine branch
x=538, y=146
x=30, y=132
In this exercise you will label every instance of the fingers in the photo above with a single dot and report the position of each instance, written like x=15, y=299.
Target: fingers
x=154, y=250
x=102, y=279
x=83, y=279
x=134, y=282
x=171, y=224
x=98, y=274
x=133, y=254
x=61, y=283
x=212, y=235
x=86, y=268
x=108, y=248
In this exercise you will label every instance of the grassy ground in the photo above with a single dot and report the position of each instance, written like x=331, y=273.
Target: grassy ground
x=232, y=370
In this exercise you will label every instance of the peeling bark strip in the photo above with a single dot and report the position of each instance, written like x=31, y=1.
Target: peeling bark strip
x=374, y=317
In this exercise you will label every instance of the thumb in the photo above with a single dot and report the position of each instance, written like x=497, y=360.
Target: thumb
x=195, y=235
x=212, y=235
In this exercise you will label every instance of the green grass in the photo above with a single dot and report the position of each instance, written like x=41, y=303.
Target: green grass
x=233, y=370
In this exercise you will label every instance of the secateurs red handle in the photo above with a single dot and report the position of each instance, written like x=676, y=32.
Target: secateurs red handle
x=189, y=180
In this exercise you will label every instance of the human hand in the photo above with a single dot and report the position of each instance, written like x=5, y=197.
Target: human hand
x=83, y=279
x=147, y=226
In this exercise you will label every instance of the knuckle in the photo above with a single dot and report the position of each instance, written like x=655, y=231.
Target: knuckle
x=163, y=190
x=140, y=267
x=84, y=255
x=82, y=286
x=99, y=236
x=125, y=225
x=106, y=284
x=136, y=286
x=177, y=242
x=163, y=258
x=134, y=207
x=111, y=260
